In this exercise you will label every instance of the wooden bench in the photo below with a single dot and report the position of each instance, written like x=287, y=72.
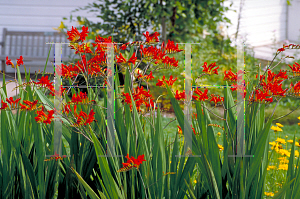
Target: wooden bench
x=32, y=46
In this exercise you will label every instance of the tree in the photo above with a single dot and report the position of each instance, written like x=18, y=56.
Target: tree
x=178, y=20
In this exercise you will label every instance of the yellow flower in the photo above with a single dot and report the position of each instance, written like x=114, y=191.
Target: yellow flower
x=269, y=193
x=286, y=136
x=271, y=167
x=280, y=140
x=219, y=133
x=290, y=141
x=284, y=152
x=272, y=143
x=278, y=124
x=276, y=128
x=296, y=153
x=195, y=181
x=283, y=160
x=283, y=167
x=298, y=124
x=297, y=144
x=220, y=147
x=298, y=118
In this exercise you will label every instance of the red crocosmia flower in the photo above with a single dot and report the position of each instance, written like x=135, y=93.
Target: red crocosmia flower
x=13, y=103
x=140, y=96
x=79, y=98
x=260, y=96
x=295, y=89
x=127, y=98
x=44, y=81
x=209, y=70
x=281, y=49
x=20, y=61
x=152, y=38
x=67, y=109
x=170, y=47
x=295, y=69
x=132, y=59
x=4, y=105
x=49, y=117
x=132, y=163
x=120, y=59
x=74, y=35
x=170, y=82
x=179, y=96
x=30, y=105
x=83, y=33
x=202, y=95
x=150, y=76
x=216, y=99
x=83, y=48
x=9, y=62
x=230, y=76
x=83, y=118
x=167, y=61
x=43, y=117
x=124, y=46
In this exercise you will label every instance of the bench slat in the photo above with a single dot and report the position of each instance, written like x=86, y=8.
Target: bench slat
x=21, y=52
x=10, y=44
x=32, y=44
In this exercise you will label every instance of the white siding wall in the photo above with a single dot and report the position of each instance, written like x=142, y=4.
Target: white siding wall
x=39, y=15
x=261, y=20
x=294, y=21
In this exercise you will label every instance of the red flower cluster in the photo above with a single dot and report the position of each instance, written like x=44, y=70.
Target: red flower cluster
x=150, y=76
x=29, y=105
x=158, y=55
x=131, y=60
x=273, y=87
x=179, y=96
x=170, y=47
x=209, y=70
x=152, y=38
x=19, y=62
x=295, y=69
x=295, y=89
x=140, y=97
x=170, y=82
x=202, y=95
x=4, y=105
x=13, y=103
x=216, y=99
x=75, y=36
x=43, y=117
x=80, y=98
x=132, y=163
x=83, y=118
x=230, y=76
x=240, y=88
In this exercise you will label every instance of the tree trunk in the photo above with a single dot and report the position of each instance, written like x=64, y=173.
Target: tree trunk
x=173, y=18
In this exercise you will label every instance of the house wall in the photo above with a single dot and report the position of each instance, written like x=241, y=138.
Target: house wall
x=294, y=22
x=37, y=15
x=261, y=21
